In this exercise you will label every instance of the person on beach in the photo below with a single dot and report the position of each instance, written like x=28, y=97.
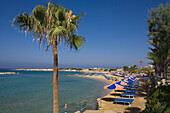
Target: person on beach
x=65, y=108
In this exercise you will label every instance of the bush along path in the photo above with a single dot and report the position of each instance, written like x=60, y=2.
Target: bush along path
x=159, y=100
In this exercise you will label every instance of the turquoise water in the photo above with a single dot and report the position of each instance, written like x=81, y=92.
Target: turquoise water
x=31, y=92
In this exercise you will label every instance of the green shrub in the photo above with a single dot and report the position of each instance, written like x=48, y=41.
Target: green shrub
x=161, y=94
x=113, y=70
x=167, y=110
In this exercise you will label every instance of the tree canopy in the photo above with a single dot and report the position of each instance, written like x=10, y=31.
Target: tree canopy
x=51, y=23
x=159, y=37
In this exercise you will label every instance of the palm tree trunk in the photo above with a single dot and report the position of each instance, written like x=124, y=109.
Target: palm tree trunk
x=55, y=79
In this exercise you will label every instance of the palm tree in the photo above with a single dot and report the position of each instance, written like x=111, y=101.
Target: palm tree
x=140, y=62
x=51, y=25
x=159, y=37
x=156, y=62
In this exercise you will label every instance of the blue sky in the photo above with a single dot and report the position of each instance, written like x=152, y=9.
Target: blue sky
x=115, y=33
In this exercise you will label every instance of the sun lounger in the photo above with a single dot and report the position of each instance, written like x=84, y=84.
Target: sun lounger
x=135, y=82
x=134, y=85
x=131, y=87
x=117, y=75
x=107, y=76
x=131, y=90
x=129, y=94
x=145, y=78
x=129, y=101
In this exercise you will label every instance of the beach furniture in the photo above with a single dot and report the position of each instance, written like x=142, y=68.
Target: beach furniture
x=95, y=74
x=133, y=86
x=87, y=74
x=117, y=75
x=118, y=82
x=114, y=86
x=130, y=86
x=126, y=83
x=130, y=90
x=145, y=78
x=129, y=94
x=136, y=82
x=107, y=76
x=129, y=82
x=129, y=101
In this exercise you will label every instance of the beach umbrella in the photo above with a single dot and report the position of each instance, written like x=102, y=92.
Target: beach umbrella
x=132, y=78
x=128, y=74
x=145, y=74
x=114, y=86
x=141, y=74
x=128, y=81
x=118, y=82
x=123, y=83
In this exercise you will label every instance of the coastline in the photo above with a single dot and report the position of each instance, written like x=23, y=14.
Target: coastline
x=66, y=70
x=36, y=69
x=100, y=78
x=104, y=92
x=108, y=106
x=92, y=99
x=9, y=73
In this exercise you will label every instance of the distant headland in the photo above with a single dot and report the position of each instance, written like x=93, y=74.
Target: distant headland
x=90, y=70
x=8, y=73
x=34, y=69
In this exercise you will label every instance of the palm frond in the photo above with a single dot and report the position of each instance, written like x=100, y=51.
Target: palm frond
x=39, y=13
x=76, y=42
x=51, y=23
x=54, y=32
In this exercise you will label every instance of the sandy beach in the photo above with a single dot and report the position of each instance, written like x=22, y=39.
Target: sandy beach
x=99, y=77
x=107, y=104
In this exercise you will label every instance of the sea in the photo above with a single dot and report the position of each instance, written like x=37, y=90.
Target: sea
x=32, y=92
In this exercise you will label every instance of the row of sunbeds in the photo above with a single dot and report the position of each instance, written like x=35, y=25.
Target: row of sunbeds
x=130, y=91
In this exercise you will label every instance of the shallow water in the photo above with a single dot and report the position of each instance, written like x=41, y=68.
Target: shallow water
x=31, y=92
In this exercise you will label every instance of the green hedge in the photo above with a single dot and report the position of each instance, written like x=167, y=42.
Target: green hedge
x=161, y=94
